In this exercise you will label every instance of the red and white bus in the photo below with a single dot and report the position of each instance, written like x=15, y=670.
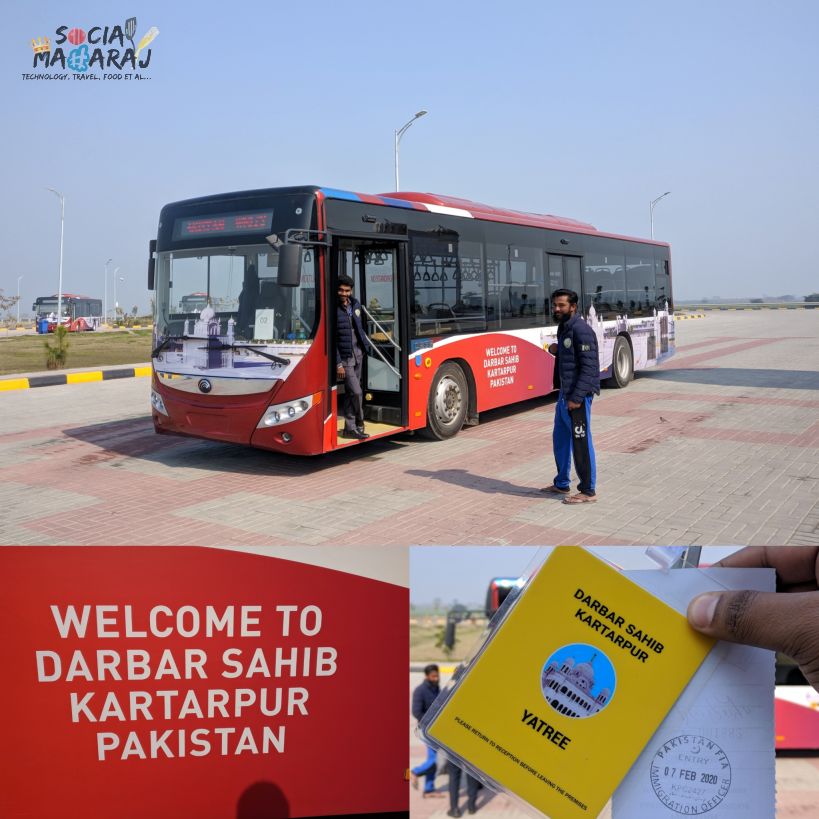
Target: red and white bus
x=456, y=296
x=79, y=312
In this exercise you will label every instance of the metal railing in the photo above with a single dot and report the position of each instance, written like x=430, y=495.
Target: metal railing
x=387, y=336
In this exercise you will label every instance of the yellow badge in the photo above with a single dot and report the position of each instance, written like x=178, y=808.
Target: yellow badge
x=570, y=687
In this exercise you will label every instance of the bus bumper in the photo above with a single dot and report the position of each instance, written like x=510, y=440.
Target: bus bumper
x=235, y=419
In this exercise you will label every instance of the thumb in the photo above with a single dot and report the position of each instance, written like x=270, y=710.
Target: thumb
x=781, y=622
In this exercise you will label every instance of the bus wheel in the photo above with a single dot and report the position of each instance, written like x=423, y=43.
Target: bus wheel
x=448, y=402
x=622, y=364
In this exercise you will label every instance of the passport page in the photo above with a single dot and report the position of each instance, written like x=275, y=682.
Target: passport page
x=713, y=755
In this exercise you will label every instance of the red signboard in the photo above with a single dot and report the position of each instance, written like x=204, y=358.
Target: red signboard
x=196, y=683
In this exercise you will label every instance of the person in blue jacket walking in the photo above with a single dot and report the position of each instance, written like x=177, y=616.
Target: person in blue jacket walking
x=578, y=367
x=422, y=698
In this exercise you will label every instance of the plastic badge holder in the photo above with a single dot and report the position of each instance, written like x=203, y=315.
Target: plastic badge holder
x=497, y=701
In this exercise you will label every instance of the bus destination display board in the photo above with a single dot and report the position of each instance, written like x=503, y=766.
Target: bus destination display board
x=223, y=224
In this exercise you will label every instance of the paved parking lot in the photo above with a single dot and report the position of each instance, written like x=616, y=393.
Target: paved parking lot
x=797, y=784
x=719, y=446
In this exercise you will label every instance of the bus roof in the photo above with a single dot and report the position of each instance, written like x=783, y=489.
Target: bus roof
x=65, y=296
x=428, y=202
x=454, y=206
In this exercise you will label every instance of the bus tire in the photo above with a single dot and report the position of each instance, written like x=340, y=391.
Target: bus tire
x=622, y=364
x=448, y=402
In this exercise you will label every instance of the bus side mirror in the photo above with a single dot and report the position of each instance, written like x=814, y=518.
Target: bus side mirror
x=151, y=263
x=289, y=265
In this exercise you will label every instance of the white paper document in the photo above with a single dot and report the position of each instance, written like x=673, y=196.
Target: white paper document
x=713, y=755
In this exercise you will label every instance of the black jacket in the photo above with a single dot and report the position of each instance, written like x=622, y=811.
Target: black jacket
x=423, y=697
x=578, y=362
x=345, y=329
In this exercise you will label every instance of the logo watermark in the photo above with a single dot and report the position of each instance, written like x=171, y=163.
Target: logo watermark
x=109, y=52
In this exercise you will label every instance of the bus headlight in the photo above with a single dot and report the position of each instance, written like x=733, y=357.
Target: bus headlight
x=285, y=413
x=157, y=403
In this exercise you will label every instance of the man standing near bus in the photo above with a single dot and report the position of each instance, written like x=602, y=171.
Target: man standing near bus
x=578, y=367
x=351, y=343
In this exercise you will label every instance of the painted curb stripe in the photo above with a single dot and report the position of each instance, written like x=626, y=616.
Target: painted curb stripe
x=110, y=375
x=47, y=380
x=71, y=378
x=81, y=378
x=14, y=384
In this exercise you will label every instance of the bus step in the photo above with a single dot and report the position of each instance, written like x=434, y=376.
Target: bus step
x=383, y=415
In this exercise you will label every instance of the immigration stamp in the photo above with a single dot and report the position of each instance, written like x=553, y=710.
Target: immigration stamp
x=690, y=774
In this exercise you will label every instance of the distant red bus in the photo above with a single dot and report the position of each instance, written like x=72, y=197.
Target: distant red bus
x=455, y=296
x=79, y=312
x=499, y=589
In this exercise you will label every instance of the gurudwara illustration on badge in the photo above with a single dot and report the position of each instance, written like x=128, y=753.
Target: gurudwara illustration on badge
x=578, y=680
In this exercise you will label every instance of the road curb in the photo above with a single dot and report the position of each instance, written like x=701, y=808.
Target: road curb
x=443, y=667
x=82, y=377
x=688, y=316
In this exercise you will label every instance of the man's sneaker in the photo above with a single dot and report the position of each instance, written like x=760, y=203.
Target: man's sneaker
x=555, y=490
x=354, y=434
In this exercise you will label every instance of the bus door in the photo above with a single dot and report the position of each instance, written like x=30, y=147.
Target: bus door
x=564, y=272
x=376, y=268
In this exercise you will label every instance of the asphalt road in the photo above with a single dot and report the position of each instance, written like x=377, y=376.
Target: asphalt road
x=717, y=447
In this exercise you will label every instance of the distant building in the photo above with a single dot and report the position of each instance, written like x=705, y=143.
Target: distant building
x=568, y=688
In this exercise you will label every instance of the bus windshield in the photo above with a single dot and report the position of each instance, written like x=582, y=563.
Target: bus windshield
x=239, y=285
x=44, y=306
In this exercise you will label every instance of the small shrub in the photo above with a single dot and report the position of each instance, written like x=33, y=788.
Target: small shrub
x=57, y=350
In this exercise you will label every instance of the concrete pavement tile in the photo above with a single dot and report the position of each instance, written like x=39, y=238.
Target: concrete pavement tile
x=179, y=466
x=799, y=775
x=16, y=501
x=270, y=516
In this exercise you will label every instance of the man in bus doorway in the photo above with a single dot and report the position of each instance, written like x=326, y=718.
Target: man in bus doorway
x=351, y=344
x=578, y=367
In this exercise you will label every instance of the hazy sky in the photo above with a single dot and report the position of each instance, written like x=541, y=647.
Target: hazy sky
x=586, y=109
x=463, y=573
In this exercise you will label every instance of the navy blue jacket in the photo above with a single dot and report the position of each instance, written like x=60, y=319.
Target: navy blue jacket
x=423, y=697
x=345, y=329
x=578, y=362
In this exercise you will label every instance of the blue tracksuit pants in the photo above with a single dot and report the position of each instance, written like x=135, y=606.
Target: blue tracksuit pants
x=428, y=769
x=572, y=437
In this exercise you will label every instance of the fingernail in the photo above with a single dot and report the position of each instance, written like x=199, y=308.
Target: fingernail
x=701, y=610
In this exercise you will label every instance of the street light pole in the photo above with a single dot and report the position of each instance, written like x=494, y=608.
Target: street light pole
x=18, y=299
x=62, y=230
x=105, y=292
x=651, y=210
x=116, y=302
x=398, y=134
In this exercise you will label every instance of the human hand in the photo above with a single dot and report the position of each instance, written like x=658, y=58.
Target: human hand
x=553, y=349
x=340, y=372
x=786, y=621
x=573, y=405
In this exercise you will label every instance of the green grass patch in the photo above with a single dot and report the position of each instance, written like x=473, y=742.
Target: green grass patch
x=24, y=354
x=423, y=637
